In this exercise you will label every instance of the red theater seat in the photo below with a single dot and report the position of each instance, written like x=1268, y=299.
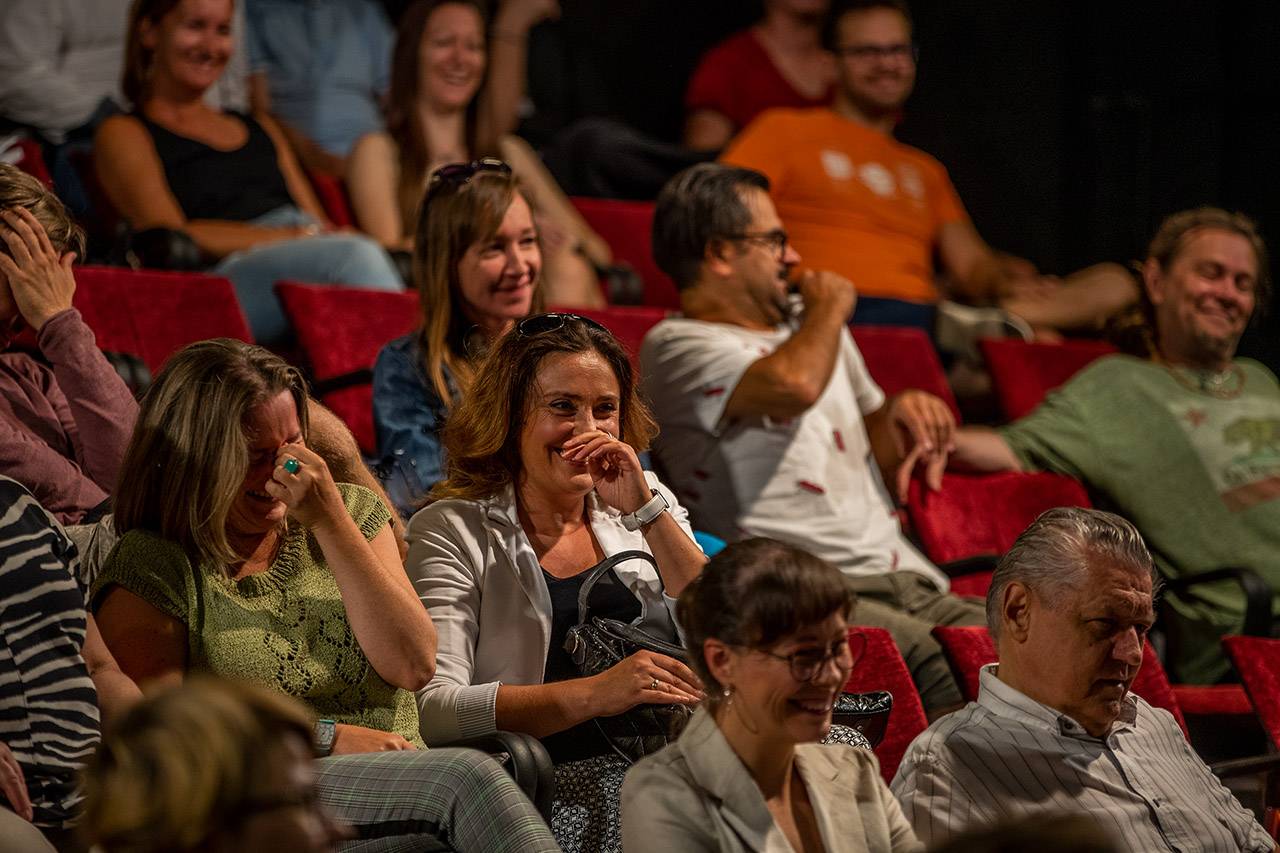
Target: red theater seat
x=151, y=314
x=629, y=324
x=900, y=358
x=1023, y=373
x=340, y=331
x=1257, y=659
x=332, y=194
x=626, y=226
x=879, y=666
x=974, y=515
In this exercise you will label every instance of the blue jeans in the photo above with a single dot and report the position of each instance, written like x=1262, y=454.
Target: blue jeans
x=346, y=259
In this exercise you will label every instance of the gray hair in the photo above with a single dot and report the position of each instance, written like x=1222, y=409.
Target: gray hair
x=700, y=204
x=1053, y=555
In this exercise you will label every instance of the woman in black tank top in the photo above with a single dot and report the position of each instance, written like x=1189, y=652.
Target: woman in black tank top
x=230, y=181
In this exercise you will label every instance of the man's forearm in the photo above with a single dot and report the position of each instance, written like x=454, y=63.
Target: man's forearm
x=983, y=450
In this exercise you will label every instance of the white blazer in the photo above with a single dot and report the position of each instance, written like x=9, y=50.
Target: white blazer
x=479, y=578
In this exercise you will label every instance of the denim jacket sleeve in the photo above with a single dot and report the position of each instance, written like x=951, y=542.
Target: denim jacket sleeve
x=408, y=415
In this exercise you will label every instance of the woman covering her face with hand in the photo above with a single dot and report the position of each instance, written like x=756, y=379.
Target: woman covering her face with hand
x=240, y=556
x=766, y=626
x=544, y=484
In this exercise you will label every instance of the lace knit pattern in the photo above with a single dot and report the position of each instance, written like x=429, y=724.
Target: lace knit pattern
x=285, y=628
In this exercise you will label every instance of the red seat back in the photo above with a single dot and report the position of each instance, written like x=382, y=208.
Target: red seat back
x=969, y=648
x=1257, y=659
x=629, y=324
x=881, y=667
x=1023, y=373
x=340, y=331
x=31, y=161
x=626, y=227
x=151, y=314
x=974, y=515
x=899, y=358
x=332, y=194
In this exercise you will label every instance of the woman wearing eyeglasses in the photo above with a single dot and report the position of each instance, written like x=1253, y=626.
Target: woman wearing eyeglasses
x=543, y=485
x=452, y=98
x=766, y=627
x=478, y=264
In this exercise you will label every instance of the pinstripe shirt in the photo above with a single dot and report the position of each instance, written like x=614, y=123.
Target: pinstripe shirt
x=1007, y=756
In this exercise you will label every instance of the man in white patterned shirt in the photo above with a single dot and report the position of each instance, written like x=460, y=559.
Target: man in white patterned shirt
x=1055, y=728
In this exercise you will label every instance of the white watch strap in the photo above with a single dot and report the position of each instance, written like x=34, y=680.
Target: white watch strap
x=652, y=508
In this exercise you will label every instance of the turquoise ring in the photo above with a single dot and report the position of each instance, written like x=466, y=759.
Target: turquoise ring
x=292, y=465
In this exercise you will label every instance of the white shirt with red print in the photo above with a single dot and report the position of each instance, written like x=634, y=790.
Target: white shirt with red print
x=810, y=480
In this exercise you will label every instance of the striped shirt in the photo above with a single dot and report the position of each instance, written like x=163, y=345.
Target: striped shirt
x=48, y=706
x=1007, y=756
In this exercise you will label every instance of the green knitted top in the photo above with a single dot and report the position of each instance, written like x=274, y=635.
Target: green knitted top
x=285, y=628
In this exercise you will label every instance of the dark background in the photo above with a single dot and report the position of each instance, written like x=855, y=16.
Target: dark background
x=1070, y=129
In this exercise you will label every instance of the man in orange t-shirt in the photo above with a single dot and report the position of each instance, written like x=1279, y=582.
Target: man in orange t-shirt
x=860, y=203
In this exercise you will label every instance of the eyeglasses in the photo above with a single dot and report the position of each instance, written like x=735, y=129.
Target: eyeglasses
x=863, y=52
x=807, y=663
x=540, y=324
x=457, y=174
x=775, y=239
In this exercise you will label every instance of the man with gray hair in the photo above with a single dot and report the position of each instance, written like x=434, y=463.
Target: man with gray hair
x=1055, y=728
x=771, y=424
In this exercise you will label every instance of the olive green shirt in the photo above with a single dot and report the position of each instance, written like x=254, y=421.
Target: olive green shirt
x=286, y=628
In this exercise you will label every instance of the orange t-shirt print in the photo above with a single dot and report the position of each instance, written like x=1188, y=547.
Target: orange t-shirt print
x=853, y=200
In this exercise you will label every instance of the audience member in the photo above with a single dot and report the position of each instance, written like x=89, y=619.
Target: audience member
x=543, y=485
x=778, y=62
x=321, y=70
x=766, y=626
x=860, y=203
x=65, y=420
x=771, y=425
x=478, y=264
x=1055, y=728
x=441, y=110
x=230, y=181
x=210, y=766
x=57, y=679
x=240, y=556
x=1183, y=442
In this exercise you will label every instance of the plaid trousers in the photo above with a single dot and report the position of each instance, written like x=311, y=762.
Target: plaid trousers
x=454, y=799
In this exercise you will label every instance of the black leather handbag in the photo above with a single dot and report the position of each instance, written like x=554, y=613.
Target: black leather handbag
x=596, y=644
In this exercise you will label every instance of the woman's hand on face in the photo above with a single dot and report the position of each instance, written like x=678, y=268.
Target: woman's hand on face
x=645, y=678
x=614, y=467
x=348, y=740
x=308, y=490
x=41, y=281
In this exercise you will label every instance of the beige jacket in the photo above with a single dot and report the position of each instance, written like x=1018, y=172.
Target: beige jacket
x=696, y=796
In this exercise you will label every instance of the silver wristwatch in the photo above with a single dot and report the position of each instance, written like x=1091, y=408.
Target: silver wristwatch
x=646, y=514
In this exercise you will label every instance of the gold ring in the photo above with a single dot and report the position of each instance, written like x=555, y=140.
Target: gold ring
x=655, y=685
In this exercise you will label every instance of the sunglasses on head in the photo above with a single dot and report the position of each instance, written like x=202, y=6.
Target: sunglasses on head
x=540, y=324
x=457, y=174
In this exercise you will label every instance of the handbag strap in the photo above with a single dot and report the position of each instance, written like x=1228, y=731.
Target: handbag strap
x=600, y=569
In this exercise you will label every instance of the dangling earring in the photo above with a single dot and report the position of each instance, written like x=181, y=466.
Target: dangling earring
x=726, y=695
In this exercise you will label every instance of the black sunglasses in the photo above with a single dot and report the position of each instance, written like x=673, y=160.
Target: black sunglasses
x=457, y=174
x=540, y=324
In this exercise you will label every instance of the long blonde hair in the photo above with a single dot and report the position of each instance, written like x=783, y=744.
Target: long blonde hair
x=182, y=765
x=187, y=459
x=453, y=218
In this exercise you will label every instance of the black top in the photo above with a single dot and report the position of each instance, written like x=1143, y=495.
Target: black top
x=610, y=599
x=238, y=185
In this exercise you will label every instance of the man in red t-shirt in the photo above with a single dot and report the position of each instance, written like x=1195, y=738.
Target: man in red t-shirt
x=860, y=203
